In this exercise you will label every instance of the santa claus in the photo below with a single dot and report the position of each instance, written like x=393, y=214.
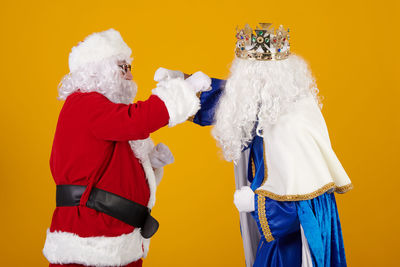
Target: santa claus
x=268, y=122
x=103, y=162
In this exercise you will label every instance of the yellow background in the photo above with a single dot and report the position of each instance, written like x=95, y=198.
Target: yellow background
x=351, y=46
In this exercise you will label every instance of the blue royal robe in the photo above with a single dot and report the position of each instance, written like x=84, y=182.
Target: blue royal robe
x=281, y=223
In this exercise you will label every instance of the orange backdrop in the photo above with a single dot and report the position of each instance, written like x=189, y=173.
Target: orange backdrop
x=351, y=47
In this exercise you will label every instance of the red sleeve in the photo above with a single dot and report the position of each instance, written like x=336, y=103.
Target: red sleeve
x=120, y=122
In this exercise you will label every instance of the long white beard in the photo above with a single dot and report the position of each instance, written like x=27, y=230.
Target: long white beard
x=125, y=93
x=255, y=95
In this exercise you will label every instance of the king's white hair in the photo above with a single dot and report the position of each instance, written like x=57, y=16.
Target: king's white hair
x=103, y=77
x=255, y=95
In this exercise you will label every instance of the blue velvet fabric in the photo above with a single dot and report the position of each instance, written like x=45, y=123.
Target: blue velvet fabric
x=209, y=101
x=256, y=155
x=320, y=220
x=283, y=252
x=284, y=225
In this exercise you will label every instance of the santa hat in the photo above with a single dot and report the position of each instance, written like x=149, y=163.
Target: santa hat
x=97, y=47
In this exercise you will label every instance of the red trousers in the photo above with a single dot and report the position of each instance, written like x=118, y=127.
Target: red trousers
x=132, y=264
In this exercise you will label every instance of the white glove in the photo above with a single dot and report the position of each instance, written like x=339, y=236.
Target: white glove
x=244, y=199
x=200, y=81
x=160, y=156
x=163, y=74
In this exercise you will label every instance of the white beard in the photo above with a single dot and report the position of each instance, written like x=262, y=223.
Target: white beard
x=255, y=95
x=125, y=93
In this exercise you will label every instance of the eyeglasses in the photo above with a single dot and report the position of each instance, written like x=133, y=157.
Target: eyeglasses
x=125, y=67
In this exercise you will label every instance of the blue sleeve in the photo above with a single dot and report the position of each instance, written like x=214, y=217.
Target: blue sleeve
x=256, y=168
x=275, y=219
x=209, y=101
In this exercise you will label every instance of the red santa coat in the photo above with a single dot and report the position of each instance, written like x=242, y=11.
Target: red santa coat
x=91, y=148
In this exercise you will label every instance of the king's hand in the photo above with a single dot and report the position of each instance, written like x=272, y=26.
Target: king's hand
x=244, y=199
x=200, y=82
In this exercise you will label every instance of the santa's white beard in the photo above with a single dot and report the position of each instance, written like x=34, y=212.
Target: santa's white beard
x=124, y=93
x=255, y=95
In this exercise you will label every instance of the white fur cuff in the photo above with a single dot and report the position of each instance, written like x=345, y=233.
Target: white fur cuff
x=66, y=248
x=180, y=99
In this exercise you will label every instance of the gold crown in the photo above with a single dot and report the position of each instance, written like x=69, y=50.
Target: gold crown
x=262, y=43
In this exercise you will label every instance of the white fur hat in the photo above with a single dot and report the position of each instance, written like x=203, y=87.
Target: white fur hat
x=98, y=46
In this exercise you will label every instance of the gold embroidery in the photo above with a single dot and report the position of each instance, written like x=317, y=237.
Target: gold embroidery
x=316, y=193
x=191, y=118
x=253, y=167
x=263, y=219
x=343, y=189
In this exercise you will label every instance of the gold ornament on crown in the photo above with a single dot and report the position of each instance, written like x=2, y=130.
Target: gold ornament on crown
x=263, y=43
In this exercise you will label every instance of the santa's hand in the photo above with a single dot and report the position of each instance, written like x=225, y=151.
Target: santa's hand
x=200, y=82
x=160, y=156
x=163, y=74
x=244, y=199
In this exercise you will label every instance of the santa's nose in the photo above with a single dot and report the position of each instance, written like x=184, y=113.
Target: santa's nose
x=128, y=76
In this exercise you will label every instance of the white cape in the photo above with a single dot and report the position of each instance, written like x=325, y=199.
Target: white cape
x=301, y=163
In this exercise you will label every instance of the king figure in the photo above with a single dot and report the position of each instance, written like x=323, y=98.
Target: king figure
x=267, y=120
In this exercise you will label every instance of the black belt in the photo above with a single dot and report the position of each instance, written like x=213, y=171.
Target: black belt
x=123, y=209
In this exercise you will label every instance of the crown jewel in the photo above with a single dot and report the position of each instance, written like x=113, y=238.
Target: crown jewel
x=263, y=43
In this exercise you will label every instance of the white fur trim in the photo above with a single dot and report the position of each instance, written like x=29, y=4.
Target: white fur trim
x=65, y=248
x=97, y=47
x=180, y=99
x=151, y=180
x=142, y=149
x=146, y=246
x=158, y=172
